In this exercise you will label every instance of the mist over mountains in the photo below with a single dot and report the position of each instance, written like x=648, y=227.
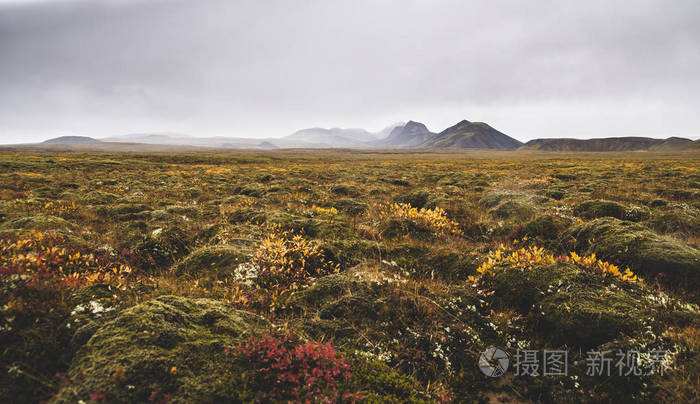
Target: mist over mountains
x=410, y=135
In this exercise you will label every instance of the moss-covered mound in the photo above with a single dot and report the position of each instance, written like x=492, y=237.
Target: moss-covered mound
x=645, y=252
x=682, y=220
x=124, y=211
x=548, y=230
x=167, y=347
x=377, y=315
x=393, y=228
x=566, y=305
x=349, y=206
x=600, y=208
x=513, y=210
x=39, y=222
x=435, y=262
x=320, y=228
x=100, y=198
x=162, y=248
x=212, y=262
x=494, y=198
x=417, y=199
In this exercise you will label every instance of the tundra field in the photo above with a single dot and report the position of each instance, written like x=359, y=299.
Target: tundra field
x=348, y=276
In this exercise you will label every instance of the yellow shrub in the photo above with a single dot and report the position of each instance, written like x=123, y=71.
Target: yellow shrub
x=528, y=258
x=432, y=219
x=324, y=211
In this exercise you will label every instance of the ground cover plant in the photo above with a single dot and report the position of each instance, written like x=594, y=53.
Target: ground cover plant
x=345, y=276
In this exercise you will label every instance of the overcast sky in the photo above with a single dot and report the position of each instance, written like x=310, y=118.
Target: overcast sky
x=267, y=68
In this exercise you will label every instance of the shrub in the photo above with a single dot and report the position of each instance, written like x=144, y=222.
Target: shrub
x=533, y=257
x=434, y=220
x=283, y=262
x=284, y=370
x=39, y=277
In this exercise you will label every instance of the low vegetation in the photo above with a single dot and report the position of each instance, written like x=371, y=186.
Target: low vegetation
x=344, y=277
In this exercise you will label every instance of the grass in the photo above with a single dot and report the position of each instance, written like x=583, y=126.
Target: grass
x=126, y=277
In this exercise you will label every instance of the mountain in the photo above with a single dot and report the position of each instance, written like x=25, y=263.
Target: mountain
x=176, y=139
x=471, y=135
x=409, y=135
x=611, y=144
x=384, y=133
x=72, y=140
x=334, y=137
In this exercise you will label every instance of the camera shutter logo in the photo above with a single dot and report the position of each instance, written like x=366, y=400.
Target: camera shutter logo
x=493, y=362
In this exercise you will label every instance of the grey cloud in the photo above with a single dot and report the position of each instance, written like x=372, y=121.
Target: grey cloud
x=252, y=68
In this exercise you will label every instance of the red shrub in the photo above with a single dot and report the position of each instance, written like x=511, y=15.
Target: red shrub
x=286, y=370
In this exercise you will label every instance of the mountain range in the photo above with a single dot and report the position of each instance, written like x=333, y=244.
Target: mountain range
x=409, y=135
x=630, y=143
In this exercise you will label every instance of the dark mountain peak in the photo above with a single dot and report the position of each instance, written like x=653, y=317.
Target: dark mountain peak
x=458, y=126
x=472, y=135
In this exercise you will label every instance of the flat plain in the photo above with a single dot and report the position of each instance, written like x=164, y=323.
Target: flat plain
x=341, y=276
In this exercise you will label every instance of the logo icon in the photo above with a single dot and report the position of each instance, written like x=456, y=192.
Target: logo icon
x=493, y=362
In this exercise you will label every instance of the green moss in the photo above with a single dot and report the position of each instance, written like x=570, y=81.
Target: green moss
x=214, y=234
x=162, y=248
x=39, y=222
x=417, y=199
x=546, y=228
x=395, y=228
x=244, y=215
x=190, y=212
x=351, y=207
x=555, y=193
x=100, y=198
x=434, y=262
x=600, y=208
x=212, y=262
x=645, y=252
x=314, y=227
x=679, y=219
x=361, y=311
x=168, y=345
x=513, y=210
x=567, y=306
x=254, y=190
x=656, y=203
x=352, y=251
x=680, y=194
x=345, y=189
x=493, y=199
x=382, y=384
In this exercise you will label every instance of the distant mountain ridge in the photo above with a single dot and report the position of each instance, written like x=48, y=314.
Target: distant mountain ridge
x=334, y=137
x=410, y=135
x=631, y=143
x=68, y=140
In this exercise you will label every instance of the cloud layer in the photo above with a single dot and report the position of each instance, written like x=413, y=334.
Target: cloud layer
x=255, y=69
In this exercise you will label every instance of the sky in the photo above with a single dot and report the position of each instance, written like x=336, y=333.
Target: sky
x=531, y=69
